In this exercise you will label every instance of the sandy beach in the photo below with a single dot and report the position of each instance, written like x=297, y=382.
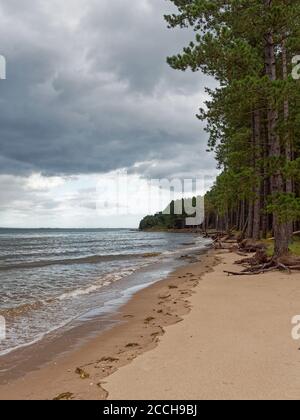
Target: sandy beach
x=149, y=202
x=199, y=334
x=235, y=344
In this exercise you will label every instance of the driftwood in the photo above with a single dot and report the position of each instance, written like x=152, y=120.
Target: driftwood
x=255, y=264
x=241, y=254
x=249, y=245
x=226, y=245
x=250, y=273
x=260, y=257
x=294, y=234
x=260, y=263
x=225, y=241
x=289, y=260
x=245, y=246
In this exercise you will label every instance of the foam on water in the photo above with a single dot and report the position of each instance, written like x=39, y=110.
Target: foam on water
x=51, y=278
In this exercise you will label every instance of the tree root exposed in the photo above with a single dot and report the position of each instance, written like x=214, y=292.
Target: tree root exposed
x=259, y=258
x=260, y=262
x=272, y=265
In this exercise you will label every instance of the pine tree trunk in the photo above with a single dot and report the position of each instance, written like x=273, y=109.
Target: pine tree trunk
x=281, y=230
x=250, y=220
x=257, y=187
x=242, y=216
x=265, y=185
x=286, y=113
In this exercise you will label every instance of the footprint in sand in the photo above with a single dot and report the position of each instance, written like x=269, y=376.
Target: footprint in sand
x=149, y=319
x=108, y=359
x=82, y=373
x=130, y=345
x=164, y=296
x=64, y=396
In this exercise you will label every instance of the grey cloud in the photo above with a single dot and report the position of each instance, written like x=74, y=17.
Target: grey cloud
x=20, y=196
x=96, y=96
x=15, y=195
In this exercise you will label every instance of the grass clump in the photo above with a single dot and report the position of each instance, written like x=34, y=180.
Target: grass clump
x=294, y=247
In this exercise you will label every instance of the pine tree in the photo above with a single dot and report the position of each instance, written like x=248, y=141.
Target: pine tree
x=253, y=117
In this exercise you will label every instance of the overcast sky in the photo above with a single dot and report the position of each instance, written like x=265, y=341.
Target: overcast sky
x=89, y=94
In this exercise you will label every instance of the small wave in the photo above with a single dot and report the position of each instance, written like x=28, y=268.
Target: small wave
x=95, y=259
x=106, y=281
x=80, y=292
x=21, y=310
x=36, y=339
x=25, y=309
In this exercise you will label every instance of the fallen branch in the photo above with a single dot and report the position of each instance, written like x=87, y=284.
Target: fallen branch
x=259, y=258
x=248, y=245
x=294, y=234
x=284, y=267
x=265, y=266
x=241, y=254
x=233, y=273
x=251, y=273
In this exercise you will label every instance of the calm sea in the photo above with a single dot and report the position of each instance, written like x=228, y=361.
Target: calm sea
x=49, y=278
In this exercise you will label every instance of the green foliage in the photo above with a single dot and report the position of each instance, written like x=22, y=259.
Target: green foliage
x=230, y=45
x=294, y=247
x=285, y=206
x=161, y=222
x=167, y=219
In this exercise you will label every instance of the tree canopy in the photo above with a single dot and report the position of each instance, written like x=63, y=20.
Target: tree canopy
x=253, y=116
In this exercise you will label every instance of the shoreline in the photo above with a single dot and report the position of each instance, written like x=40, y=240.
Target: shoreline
x=138, y=325
x=197, y=335
x=174, y=230
x=88, y=290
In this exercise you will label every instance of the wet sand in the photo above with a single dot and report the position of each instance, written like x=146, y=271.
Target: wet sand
x=81, y=374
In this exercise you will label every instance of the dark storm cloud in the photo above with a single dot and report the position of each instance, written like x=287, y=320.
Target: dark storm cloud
x=89, y=90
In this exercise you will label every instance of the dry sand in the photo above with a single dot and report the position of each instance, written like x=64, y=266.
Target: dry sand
x=235, y=343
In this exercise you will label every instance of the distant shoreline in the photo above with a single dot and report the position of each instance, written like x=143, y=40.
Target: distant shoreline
x=183, y=230
x=64, y=229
